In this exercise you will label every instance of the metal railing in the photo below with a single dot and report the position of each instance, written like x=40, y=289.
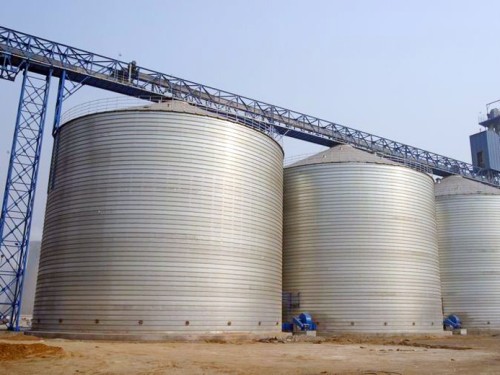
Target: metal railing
x=125, y=102
x=103, y=105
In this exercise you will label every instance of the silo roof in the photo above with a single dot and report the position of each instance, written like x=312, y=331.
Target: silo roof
x=172, y=106
x=343, y=154
x=458, y=185
x=179, y=106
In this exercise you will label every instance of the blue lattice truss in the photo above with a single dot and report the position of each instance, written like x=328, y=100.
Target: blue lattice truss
x=20, y=52
x=19, y=195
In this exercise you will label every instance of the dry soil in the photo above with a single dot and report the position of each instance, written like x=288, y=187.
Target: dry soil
x=347, y=355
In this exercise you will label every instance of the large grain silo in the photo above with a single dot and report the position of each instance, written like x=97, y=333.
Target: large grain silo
x=360, y=248
x=468, y=217
x=161, y=220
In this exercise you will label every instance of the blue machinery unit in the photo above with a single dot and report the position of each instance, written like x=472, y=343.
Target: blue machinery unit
x=39, y=60
x=452, y=322
x=303, y=323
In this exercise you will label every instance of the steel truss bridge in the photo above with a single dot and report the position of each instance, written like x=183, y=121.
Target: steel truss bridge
x=38, y=61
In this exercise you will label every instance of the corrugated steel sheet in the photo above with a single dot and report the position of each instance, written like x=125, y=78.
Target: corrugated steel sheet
x=360, y=247
x=161, y=221
x=469, y=248
x=488, y=143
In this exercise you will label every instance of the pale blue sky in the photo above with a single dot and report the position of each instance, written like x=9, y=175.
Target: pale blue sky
x=418, y=72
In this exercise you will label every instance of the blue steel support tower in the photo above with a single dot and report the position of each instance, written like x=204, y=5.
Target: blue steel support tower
x=40, y=60
x=19, y=195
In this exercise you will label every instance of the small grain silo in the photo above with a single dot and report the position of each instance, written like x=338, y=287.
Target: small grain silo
x=468, y=218
x=360, y=248
x=161, y=219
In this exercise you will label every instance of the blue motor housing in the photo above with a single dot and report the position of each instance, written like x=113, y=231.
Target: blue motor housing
x=452, y=322
x=304, y=322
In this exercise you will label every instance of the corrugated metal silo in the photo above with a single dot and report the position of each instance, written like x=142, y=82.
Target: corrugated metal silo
x=468, y=217
x=360, y=248
x=161, y=219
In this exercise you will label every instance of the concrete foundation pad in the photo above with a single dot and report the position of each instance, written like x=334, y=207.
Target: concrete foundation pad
x=221, y=337
x=482, y=331
x=305, y=333
x=388, y=334
x=160, y=336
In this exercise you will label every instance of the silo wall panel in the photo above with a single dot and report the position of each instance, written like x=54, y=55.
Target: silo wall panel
x=360, y=247
x=470, y=258
x=161, y=222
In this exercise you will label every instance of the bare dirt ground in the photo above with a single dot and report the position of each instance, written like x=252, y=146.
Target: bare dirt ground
x=347, y=355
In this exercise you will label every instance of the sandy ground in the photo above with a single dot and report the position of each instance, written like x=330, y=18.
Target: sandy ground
x=365, y=356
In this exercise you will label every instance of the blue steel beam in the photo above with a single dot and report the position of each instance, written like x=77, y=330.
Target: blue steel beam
x=63, y=92
x=19, y=195
x=7, y=69
x=95, y=70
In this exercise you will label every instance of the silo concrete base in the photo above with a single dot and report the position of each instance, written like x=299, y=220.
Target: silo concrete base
x=160, y=336
x=378, y=335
